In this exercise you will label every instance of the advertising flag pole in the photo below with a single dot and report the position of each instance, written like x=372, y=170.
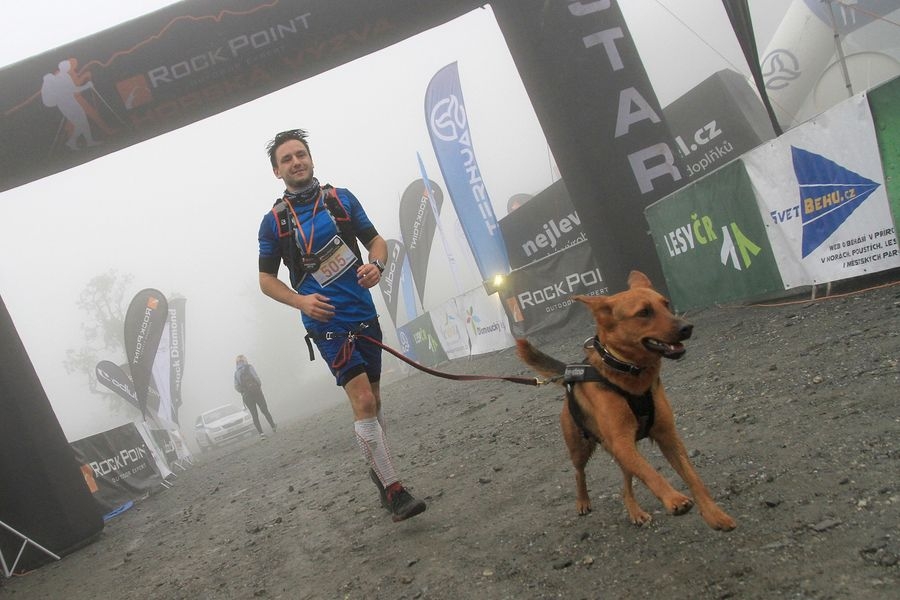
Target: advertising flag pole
x=437, y=219
x=840, y=50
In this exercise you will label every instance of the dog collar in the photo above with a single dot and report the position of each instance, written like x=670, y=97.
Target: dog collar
x=613, y=362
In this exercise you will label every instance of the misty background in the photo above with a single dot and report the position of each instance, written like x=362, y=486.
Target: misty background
x=203, y=189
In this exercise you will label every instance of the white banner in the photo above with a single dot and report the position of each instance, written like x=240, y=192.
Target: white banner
x=450, y=325
x=156, y=452
x=803, y=72
x=485, y=321
x=162, y=377
x=820, y=189
x=184, y=453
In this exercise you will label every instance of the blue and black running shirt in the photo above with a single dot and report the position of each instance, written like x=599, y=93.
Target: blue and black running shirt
x=353, y=303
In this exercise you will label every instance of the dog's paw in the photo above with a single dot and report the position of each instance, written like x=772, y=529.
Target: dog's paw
x=583, y=507
x=680, y=505
x=639, y=517
x=719, y=520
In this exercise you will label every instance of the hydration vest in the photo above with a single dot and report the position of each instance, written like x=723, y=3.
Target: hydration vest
x=290, y=251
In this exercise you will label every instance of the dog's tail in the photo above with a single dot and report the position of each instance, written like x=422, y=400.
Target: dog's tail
x=537, y=360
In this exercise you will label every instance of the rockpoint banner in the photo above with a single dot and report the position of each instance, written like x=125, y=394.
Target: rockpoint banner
x=451, y=138
x=417, y=227
x=117, y=466
x=180, y=64
x=537, y=297
x=146, y=318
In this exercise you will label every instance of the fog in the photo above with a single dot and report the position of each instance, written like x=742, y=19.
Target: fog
x=201, y=191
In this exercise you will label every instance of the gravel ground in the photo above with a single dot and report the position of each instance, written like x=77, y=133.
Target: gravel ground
x=790, y=413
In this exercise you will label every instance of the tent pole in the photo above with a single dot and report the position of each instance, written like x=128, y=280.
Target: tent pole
x=8, y=570
x=840, y=50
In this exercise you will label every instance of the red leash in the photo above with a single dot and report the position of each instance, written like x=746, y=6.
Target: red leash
x=521, y=380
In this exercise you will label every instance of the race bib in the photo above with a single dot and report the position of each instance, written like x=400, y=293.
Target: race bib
x=335, y=258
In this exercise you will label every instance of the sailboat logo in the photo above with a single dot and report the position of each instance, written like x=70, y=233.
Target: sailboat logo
x=829, y=194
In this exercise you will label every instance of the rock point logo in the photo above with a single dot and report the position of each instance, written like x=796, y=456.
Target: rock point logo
x=134, y=91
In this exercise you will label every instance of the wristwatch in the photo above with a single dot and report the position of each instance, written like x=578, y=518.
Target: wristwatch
x=378, y=264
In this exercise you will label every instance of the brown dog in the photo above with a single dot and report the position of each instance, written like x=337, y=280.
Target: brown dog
x=621, y=399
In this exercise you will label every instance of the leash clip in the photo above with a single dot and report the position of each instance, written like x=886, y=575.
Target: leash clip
x=539, y=382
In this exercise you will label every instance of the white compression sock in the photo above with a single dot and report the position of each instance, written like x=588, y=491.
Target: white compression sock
x=373, y=444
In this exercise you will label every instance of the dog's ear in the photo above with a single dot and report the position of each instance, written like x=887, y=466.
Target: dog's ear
x=636, y=279
x=599, y=305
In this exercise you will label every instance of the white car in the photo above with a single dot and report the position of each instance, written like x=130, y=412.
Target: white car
x=222, y=425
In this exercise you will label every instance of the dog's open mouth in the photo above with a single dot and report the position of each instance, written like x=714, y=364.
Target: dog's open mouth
x=675, y=350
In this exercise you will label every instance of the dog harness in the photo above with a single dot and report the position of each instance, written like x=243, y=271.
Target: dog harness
x=640, y=405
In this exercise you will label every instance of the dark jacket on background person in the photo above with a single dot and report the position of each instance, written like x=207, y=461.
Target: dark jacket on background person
x=249, y=385
x=246, y=380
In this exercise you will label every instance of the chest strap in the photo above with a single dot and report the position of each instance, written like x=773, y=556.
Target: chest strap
x=640, y=405
x=291, y=253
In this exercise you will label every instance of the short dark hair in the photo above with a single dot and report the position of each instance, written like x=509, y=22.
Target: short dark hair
x=291, y=134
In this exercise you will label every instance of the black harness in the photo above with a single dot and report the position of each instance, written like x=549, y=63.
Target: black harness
x=291, y=253
x=347, y=349
x=641, y=405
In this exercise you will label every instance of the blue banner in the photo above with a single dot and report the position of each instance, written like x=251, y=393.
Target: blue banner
x=448, y=127
x=409, y=291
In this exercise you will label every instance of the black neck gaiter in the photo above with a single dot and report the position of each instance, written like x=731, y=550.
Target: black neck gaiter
x=306, y=195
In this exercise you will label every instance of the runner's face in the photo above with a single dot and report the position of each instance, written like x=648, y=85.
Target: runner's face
x=293, y=165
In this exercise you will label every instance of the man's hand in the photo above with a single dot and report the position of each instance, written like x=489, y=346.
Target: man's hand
x=368, y=275
x=316, y=306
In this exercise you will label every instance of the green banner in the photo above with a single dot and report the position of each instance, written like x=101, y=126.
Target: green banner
x=884, y=101
x=712, y=242
x=419, y=342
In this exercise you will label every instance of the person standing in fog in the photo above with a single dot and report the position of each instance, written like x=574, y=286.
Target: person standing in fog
x=249, y=385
